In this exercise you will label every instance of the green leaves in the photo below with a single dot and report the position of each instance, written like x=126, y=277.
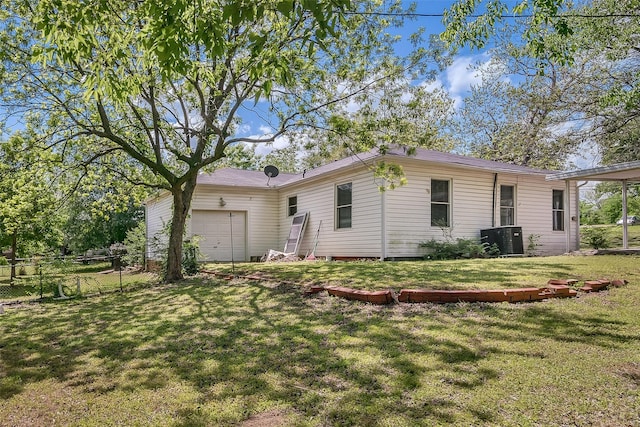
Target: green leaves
x=468, y=23
x=154, y=92
x=28, y=205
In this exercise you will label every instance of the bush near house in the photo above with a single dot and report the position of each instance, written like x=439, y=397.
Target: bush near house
x=611, y=234
x=596, y=237
x=458, y=249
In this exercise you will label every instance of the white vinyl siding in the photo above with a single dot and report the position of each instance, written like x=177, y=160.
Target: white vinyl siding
x=319, y=199
x=408, y=214
x=158, y=213
x=535, y=218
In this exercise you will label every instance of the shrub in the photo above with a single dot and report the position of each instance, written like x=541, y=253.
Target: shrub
x=534, y=243
x=596, y=237
x=135, y=243
x=190, y=255
x=460, y=248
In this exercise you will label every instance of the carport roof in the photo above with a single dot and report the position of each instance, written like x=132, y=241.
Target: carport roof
x=629, y=171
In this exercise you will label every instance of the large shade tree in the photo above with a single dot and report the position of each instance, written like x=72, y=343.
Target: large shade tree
x=516, y=114
x=585, y=55
x=608, y=51
x=475, y=22
x=30, y=221
x=163, y=84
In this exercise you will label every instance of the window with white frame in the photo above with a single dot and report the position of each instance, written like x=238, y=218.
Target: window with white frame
x=343, y=205
x=292, y=205
x=558, y=210
x=507, y=205
x=440, y=203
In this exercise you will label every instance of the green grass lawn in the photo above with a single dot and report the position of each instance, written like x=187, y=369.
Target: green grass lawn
x=215, y=352
x=93, y=278
x=459, y=274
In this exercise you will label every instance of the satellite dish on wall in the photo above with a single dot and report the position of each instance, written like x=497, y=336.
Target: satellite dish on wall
x=271, y=171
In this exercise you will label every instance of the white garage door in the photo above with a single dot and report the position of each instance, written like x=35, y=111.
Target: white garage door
x=220, y=231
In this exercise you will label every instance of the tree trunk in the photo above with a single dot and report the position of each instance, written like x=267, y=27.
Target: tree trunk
x=14, y=248
x=182, y=196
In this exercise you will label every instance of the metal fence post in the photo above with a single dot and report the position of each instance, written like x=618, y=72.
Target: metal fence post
x=41, y=288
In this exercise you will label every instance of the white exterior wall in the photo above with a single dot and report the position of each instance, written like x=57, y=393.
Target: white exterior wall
x=260, y=205
x=408, y=209
x=158, y=213
x=318, y=197
x=534, y=214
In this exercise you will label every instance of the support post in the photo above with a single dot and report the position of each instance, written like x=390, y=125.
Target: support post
x=625, y=229
x=567, y=214
x=383, y=226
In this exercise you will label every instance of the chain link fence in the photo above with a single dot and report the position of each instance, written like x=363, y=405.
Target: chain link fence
x=35, y=279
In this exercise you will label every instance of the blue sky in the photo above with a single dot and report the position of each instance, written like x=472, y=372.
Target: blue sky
x=456, y=79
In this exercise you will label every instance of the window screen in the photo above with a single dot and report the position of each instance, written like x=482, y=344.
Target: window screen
x=343, y=205
x=440, y=204
x=507, y=205
x=292, y=205
x=558, y=210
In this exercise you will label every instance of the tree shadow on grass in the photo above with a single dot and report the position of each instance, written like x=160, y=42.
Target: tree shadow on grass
x=458, y=274
x=256, y=345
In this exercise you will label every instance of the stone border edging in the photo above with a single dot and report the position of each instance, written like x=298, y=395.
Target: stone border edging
x=555, y=288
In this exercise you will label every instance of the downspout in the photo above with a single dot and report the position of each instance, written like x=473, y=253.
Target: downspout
x=493, y=205
x=14, y=249
x=625, y=230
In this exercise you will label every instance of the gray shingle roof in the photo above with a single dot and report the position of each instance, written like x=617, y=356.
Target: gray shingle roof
x=471, y=162
x=244, y=178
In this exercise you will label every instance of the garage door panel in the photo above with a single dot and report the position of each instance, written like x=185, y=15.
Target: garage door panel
x=216, y=229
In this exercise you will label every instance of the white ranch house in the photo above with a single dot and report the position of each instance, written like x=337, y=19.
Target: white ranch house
x=352, y=218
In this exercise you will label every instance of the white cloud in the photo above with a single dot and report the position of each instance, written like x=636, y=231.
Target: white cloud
x=431, y=85
x=244, y=129
x=262, y=149
x=264, y=130
x=460, y=76
x=464, y=72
